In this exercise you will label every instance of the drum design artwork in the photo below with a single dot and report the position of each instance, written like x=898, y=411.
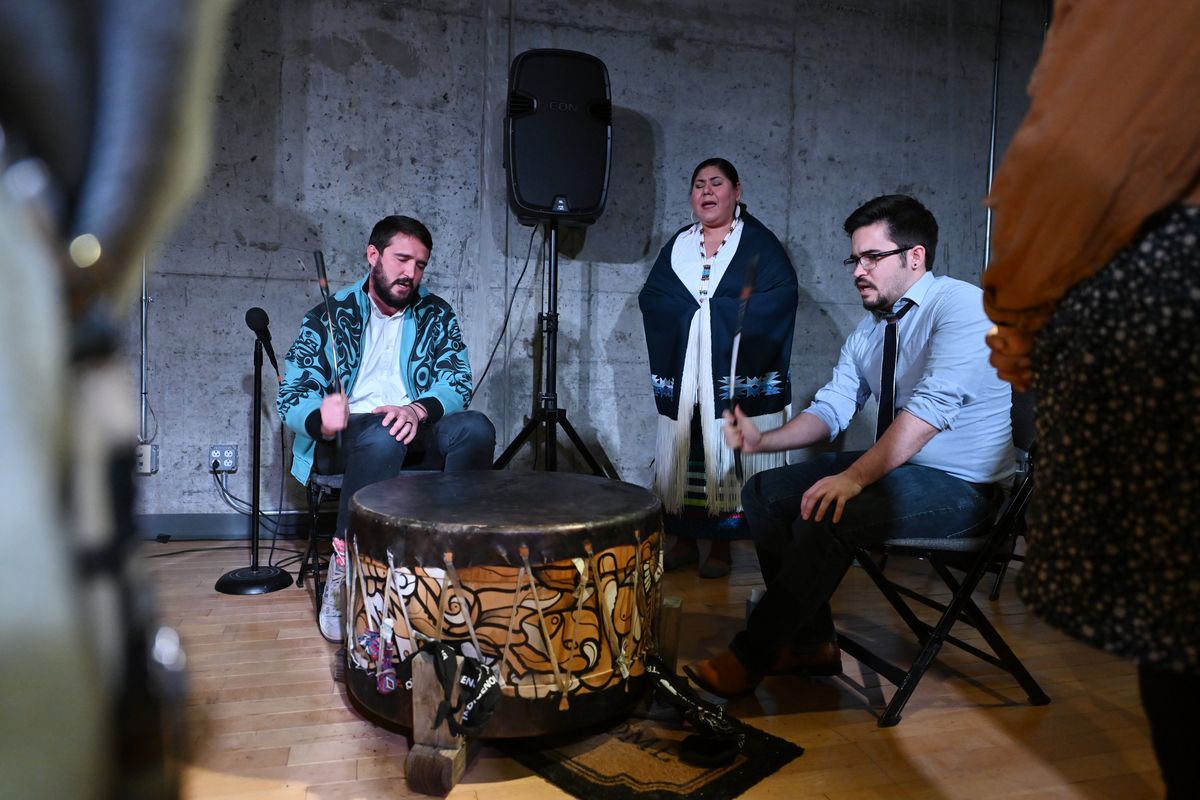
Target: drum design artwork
x=551, y=580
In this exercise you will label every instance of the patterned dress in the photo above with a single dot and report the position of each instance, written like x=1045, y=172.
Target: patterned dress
x=1114, y=539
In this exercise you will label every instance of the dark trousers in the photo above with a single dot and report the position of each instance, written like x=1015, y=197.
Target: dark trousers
x=803, y=561
x=1172, y=704
x=369, y=454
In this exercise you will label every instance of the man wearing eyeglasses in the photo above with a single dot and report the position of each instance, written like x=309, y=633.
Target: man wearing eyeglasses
x=933, y=471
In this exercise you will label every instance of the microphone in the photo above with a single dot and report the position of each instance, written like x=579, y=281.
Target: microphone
x=257, y=319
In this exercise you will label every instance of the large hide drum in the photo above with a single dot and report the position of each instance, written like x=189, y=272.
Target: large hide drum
x=551, y=579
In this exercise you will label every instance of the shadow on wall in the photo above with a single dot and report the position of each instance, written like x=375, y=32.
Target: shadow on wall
x=623, y=234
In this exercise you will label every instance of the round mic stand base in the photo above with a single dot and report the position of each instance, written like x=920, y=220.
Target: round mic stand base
x=248, y=580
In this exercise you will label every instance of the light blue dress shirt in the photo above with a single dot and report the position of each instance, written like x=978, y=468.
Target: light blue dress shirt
x=942, y=377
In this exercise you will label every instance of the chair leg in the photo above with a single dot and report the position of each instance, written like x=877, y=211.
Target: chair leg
x=875, y=572
x=312, y=554
x=304, y=566
x=934, y=637
x=1005, y=657
x=994, y=594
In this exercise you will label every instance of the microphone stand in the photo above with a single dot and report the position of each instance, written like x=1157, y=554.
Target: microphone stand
x=255, y=579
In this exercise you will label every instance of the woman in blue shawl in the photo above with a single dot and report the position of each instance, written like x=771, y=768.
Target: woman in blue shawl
x=689, y=309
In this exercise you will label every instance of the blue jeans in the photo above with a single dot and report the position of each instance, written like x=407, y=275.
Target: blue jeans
x=803, y=561
x=369, y=454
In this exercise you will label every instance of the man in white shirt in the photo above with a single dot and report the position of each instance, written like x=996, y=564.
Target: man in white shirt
x=405, y=384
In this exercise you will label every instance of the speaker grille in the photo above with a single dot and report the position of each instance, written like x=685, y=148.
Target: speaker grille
x=520, y=104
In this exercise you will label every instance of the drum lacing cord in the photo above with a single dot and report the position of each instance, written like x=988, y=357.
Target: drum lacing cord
x=362, y=587
x=403, y=601
x=563, y=683
x=606, y=612
x=512, y=619
x=386, y=623
x=403, y=606
x=639, y=593
x=448, y=560
x=441, y=614
x=348, y=616
x=580, y=595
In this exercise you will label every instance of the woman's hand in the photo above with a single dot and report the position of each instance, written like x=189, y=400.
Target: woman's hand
x=1010, y=355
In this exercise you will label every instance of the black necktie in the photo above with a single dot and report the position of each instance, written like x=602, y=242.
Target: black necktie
x=887, y=376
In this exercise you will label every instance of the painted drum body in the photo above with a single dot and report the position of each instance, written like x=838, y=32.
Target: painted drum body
x=460, y=549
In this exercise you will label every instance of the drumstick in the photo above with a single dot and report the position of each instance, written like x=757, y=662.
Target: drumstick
x=323, y=284
x=747, y=290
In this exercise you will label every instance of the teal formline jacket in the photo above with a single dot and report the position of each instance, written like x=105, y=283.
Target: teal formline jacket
x=437, y=372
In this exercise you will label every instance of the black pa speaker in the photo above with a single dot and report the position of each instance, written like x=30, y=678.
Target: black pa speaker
x=558, y=136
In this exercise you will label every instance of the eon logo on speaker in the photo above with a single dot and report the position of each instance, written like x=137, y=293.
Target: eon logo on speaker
x=558, y=105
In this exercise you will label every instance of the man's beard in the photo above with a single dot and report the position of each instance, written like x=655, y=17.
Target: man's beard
x=881, y=305
x=391, y=293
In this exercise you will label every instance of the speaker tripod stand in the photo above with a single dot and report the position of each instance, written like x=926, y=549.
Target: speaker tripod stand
x=548, y=412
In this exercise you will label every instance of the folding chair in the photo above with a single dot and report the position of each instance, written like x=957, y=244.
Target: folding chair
x=974, y=556
x=1023, y=435
x=318, y=489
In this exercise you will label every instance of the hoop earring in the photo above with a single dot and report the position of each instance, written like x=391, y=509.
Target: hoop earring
x=737, y=211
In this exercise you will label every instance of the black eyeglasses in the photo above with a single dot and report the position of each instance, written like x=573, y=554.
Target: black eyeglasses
x=871, y=260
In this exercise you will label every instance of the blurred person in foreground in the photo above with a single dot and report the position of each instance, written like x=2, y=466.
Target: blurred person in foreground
x=1095, y=291
x=105, y=119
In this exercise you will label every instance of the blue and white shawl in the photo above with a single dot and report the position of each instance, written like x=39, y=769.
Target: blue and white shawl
x=686, y=339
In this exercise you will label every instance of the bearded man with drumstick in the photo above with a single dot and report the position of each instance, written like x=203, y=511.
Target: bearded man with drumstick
x=377, y=370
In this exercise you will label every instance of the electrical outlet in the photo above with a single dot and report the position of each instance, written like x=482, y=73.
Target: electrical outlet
x=222, y=458
x=146, y=459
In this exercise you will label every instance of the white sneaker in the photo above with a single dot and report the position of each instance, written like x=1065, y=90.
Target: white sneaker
x=329, y=620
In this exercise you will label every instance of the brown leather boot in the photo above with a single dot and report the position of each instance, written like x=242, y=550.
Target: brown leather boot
x=717, y=563
x=723, y=676
x=819, y=658
x=683, y=554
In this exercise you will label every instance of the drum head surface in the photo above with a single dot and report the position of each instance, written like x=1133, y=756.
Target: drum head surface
x=484, y=518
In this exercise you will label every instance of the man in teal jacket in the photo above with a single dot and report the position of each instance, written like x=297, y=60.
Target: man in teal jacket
x=405, y=384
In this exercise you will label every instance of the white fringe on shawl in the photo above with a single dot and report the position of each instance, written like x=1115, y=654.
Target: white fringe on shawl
x=721, y=486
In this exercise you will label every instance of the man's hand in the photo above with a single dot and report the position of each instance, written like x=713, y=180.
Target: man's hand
x=403, y=421
x=740, y=432
x=836, y=490
x=335, y=414
x=1010, y=355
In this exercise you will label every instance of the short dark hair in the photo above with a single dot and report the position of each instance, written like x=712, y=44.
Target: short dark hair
x=909, y=223
x=727, y=169
x=388, y=227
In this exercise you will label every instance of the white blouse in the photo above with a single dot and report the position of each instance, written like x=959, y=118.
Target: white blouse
x=688, y=264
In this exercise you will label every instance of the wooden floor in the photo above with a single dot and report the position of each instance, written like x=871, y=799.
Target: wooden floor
x=267, y=720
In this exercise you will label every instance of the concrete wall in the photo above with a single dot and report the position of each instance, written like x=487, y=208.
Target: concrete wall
x=332, y=114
